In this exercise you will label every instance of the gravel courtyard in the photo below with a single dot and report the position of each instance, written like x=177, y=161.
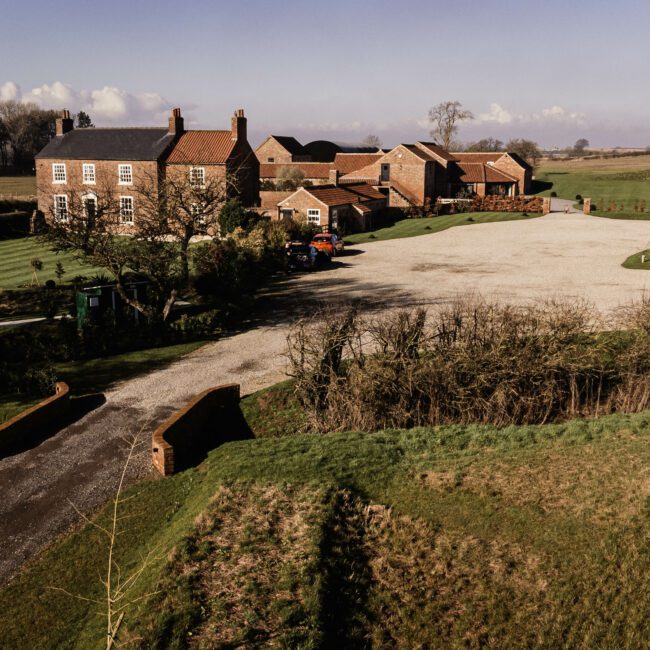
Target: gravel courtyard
x=563, y=255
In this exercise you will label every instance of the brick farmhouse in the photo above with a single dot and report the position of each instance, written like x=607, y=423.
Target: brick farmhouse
x=83, y=162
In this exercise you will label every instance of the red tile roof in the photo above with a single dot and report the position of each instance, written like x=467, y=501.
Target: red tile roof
x=351, y=193
x=483, y=157
x=476, y=172
x=202, y=147
x=351, y=162
x=310, y=170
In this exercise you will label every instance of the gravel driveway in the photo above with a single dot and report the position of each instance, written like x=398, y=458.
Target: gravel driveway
x=566, y=255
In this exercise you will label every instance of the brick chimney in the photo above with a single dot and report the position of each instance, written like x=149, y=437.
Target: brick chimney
x=238, y=125
x=176, y=122
x=65, y=123
x=334, y=177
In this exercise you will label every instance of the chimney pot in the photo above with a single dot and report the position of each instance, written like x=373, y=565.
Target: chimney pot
x=176, y=122
x=238, y=125
x=65, y=123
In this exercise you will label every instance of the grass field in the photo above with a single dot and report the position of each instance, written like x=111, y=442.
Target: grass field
x=18, y=185
x=415, y=227
x=16, y=269
x=446, y=537
x=624, y=182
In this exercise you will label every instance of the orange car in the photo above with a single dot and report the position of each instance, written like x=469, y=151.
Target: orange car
x=328, y=243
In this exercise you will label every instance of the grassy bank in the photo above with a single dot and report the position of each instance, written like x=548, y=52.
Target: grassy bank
x=429, y=225
x=444, y=537
x=18, y=185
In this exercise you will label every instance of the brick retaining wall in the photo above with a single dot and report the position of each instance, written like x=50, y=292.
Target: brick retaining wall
x=508, y=204
x=30, y=423
x=193, y=426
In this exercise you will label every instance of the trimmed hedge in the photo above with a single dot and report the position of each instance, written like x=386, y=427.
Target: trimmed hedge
x=14, y=225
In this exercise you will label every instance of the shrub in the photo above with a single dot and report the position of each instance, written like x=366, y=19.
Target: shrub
x=471, y=362
x=553, y=194
x=38, y=381
x=207, y=323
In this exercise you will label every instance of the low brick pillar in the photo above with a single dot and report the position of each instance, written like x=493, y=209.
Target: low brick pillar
x=586, y=206
x=546, y=205
x=187, y=426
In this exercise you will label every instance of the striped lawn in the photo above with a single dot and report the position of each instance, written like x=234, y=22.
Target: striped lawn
x=415, y=227
x=16, y=269
x=18, y=185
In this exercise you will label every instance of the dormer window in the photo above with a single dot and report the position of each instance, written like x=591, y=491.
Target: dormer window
x=125, y=174
x=197, y=176
x=88, y=174
x=58, y=173
x=270, y=160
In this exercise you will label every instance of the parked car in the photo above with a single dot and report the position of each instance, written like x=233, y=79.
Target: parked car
x=301, y=256
x=329, y=243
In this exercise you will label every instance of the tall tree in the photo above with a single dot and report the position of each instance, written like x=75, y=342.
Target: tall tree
x=485, y=144
x=527, y=149
x=28, y=129
x=580, y=146
x=83, y=121
x=371, y=141
x=445, y=118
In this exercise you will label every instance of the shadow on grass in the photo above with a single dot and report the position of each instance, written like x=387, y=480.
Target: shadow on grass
x=540, y=186
x=79, y=407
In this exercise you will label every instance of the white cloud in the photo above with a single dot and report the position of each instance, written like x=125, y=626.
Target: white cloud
x=555, y=114
x=9, y=91
x=104, y=105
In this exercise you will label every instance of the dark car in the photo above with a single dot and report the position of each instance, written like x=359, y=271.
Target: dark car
x=301, y=256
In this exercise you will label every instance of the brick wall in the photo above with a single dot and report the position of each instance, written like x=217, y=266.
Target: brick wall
x=513, y=168
x=301, y=202
x=203, y=424
x=533, y=204
x=107, y=180
x=29, y=425
x=272, y=149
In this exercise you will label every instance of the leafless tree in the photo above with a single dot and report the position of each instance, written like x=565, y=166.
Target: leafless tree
x=290, y=178
x=372, y=140
x=445, y=118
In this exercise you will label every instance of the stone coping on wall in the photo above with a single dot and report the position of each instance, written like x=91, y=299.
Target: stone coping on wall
x=188, y=422
x=45, y=414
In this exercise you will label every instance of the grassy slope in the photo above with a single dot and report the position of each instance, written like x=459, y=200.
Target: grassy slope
x=534, y=535
x=19, y=185
x=15, y=266
x=623, y=180
x=414, y=227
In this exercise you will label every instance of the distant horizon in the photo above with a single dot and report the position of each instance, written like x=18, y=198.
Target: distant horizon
x=553, y=73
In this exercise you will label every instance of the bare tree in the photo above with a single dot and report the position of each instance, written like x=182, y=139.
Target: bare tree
x=290, y=178
x=372, y=141
x=526, y=149
x=445, y=118
x=580, y=146
x=485, y=144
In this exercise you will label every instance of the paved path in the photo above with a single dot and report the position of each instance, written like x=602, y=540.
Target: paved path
x=567, y=255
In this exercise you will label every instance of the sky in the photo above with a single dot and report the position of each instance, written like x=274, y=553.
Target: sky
x=552, y=71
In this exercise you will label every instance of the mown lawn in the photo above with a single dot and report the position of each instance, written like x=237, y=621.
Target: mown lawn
x=15, y=263
x=624, y=182
x=19, y=185
x=455, y=536
x=429, y=225
x=634, y=261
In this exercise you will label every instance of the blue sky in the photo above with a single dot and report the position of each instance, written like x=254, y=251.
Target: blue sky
x=553, y=71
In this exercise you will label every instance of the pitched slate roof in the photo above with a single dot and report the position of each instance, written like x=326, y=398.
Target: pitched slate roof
x=289, y=143
x=420, y=153
x=310, y=170
x=108, y=144
x=346, y=163
x=208, y=147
